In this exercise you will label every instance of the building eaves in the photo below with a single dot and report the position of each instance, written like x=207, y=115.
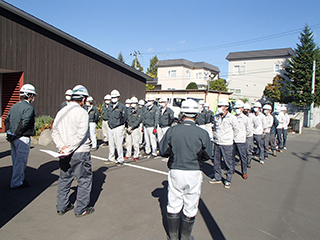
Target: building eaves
x=186, y=63
x=68, y=37
x=271, y=53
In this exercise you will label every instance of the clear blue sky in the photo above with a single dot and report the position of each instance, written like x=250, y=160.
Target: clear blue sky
x=202, y=30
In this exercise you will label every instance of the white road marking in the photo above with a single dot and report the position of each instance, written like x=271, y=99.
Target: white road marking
x=135, y=166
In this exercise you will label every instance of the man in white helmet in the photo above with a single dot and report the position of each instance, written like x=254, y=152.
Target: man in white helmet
x=226, y=127
x=117, y=120
x=150, y=123
x=105, y=118
x=249, y=136
x=240, y=138
x=141, y=108
x=133, y=130
x=70, y=133
x=187, y=146
x=267, y=129
x=93, y=121
x=19, y=125
x=285, y=126
x=68, y=98
x=166, y=118
x=210, y=119
x=259, y=123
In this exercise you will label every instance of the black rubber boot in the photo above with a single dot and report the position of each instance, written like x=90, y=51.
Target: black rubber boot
x=173, y=225
x=186, y=227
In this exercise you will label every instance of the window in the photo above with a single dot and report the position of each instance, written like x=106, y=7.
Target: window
x=277, y=68
x=198, y=75
x=188, y=75
x=239, y=69
x=236, y=90
x=172, y=73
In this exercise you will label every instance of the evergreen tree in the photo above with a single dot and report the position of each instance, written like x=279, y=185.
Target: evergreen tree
x=152, y=70
x=299, y=71
x=139, y=67
x=121, y=58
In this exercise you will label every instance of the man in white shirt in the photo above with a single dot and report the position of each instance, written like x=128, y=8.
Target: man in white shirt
x=70, y=133
x=285, y=126
x=267, y=128
x=259, y=122
x=225, y=125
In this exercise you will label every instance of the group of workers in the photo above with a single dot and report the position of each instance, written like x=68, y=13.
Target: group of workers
x=200, y=135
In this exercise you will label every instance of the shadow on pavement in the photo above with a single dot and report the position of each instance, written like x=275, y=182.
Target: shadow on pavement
x=212, y=226
x=97, y=182
x=307, y=155
x=5, y=153
x=15, y=200
x=161, y=194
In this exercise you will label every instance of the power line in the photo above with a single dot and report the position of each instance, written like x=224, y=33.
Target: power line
x=253, y=40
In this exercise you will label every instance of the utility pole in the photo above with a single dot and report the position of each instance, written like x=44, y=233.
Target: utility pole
x=312, y=92
x=135, y=54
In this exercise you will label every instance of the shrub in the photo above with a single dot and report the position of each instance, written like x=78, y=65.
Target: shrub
x=42, y=122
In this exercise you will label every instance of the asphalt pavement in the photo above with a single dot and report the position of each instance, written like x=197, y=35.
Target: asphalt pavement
x=279, y=200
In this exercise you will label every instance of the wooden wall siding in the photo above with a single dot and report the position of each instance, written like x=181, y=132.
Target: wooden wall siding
x=53, y=64
x=11, y=84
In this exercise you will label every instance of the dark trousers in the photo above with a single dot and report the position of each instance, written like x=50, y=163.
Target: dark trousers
x=249, y=148
x=81, y=169
x=266, y=145
x=242, y=150
x=280, y=138
x=260, y=144
x=272, y=141
x=225, y=152
x=285, y=136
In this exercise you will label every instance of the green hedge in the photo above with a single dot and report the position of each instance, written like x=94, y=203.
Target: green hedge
x=42, y=122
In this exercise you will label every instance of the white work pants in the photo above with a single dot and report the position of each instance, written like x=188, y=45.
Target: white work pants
x=93, y=137
x=150, y=139
x=20, y=149
x=133, y=139
x=162, y=132
x=184, y=188
x=209, y=130
x=115, y=142
x=105, y=128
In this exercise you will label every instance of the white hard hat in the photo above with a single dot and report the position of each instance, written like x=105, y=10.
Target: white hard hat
x=247, y=106
x=128, y=101
x=257, y=104
x=115, y=93
x=223, y=102
x=134, y=100
x=150, y=98
x=206, y=104
x=163, y=99
x=189, y=106
x=68, y=92
x=277, y=109
x=283, y=108
x=239, y=104
x=141, y=102
x=201, y=102
x=267, y=107
x=89, y=99
x=27, y=89
x=107, y=97
x=80, y=91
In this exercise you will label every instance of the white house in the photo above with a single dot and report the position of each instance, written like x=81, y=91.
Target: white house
x=250, y=72
x=178, y=73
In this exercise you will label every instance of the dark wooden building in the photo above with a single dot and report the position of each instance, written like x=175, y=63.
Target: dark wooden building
x=32, y=51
